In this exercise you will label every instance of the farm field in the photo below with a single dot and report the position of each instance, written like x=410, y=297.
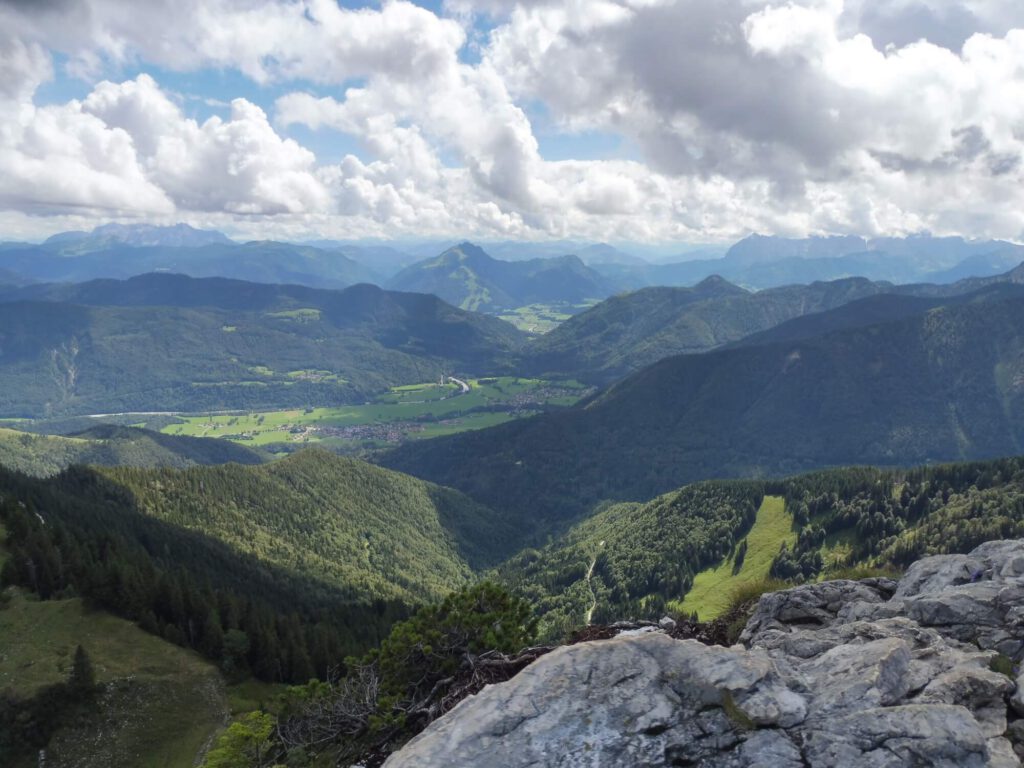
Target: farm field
x=713, y=587
x=413, y=412
x=541, y=318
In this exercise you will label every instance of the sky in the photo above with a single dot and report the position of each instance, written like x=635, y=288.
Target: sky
x=648, y=121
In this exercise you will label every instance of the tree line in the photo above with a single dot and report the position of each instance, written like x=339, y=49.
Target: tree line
x=71, y=537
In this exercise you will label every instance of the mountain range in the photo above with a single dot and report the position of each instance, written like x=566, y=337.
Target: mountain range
x=626, y=332
x=563, y=274
x=169, y=342
x=764, y=262
x=138, y=235
x=164, y=342
x=267, y=262
x=933, y=381
x=467, y=277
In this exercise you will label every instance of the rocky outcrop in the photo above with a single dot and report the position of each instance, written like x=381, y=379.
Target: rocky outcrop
x=844, y=673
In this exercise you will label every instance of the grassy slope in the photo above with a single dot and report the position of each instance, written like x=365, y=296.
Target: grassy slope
x=165, y=703
x=713, y=587
x=641, y=553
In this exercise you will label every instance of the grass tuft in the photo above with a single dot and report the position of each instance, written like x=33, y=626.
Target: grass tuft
x=739, y=718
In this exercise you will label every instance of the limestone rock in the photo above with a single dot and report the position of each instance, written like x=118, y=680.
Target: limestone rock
x=844, y=673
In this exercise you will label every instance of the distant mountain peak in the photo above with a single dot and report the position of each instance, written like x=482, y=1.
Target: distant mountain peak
x=758, y=249
x=468, y=248
x=468, y=277
x=717, y=284
x=176, y=235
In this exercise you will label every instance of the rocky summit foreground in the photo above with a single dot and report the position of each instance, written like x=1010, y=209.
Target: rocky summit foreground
x=872, y=673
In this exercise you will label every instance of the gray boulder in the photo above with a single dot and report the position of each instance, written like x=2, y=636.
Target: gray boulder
x=871, y=673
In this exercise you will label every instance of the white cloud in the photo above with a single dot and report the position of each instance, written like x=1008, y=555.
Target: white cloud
x=23, y=67
x=308, y=39
x=784, y=93
x=127, y=147
x=240, y=165
x=772, y=115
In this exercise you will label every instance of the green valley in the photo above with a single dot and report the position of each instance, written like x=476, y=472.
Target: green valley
x=172, y=343
x=916, y=387
x=409, y=412
x=538, y=319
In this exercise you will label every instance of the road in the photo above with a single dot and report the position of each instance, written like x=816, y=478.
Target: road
x=130, y=413
x=593, y=595
x=461, y=383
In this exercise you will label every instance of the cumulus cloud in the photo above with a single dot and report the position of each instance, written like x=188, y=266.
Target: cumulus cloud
x=127, y=147
x=787, y=116
x=786, y=93
x=240, y=165
x=265, y=39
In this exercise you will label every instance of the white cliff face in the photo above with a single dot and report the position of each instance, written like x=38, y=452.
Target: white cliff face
x=839, y=675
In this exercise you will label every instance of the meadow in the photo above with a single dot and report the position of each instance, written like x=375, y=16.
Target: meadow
x=713, y=588
x=411, y=412
x=541, y=318
x=169, y=702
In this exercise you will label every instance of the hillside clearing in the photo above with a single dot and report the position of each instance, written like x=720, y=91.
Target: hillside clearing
x=713, y=587
x=160, y=704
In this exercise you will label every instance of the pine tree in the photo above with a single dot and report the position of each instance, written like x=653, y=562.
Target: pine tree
x=82, y=681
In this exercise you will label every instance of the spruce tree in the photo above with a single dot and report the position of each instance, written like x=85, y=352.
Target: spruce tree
x=83, y=678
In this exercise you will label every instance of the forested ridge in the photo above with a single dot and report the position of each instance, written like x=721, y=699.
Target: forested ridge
x=630, y=331
x=645, y=556
x=308, y=560
x=169, y=342
x=365, y=529
x=107, y=445
x=937, y=385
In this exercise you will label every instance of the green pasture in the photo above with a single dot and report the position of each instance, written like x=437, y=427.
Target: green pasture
x=419, y=411
x=541, y=318
x=713, y=588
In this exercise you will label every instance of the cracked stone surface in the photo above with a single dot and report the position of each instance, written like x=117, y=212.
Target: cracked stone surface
x=872, y=673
